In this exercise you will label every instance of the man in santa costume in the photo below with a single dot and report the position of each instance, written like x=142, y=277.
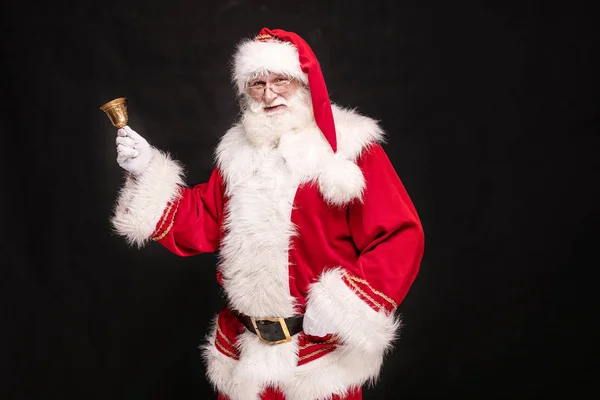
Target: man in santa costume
x=318, y=240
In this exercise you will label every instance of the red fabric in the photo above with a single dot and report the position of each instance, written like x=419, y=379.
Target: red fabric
x=378, y=242
x=387, y=232
x=166, y=222
x=197, y=223
x=274, y=394
x=228, y=330
x=312, y=347
x=318, y=90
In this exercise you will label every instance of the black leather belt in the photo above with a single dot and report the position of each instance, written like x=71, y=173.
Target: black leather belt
x=272, y=330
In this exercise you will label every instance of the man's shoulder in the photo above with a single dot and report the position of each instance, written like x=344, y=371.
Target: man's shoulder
x=355, y=131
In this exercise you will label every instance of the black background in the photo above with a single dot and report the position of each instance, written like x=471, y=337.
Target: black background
x=489, y=108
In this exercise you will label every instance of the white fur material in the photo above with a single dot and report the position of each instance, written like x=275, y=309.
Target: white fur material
x=260, y=365
x=142, y=200
x=258, y=227
x=349, y=366
x=261, y=181
x=253, y=58
x=219, y=367
x=366, y=335
x=355, y=132
x=340, y=181
x=336, y=373
x=353, y=320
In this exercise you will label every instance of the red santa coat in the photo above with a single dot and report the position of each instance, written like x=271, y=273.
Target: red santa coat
x=296, y=226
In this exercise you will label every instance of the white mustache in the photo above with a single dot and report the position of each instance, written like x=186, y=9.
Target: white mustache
x=258, y=107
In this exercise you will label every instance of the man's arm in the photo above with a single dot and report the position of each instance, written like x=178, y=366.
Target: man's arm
x=360, y=302
x=154, y=203
x=191, y=224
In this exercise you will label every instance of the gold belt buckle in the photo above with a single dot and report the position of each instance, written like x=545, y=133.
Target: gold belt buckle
x=283, y=325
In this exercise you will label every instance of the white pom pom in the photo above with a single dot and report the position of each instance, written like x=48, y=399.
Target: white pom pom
x=341, y=181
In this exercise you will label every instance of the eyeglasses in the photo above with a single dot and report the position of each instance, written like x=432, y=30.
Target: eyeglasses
x=279, y=86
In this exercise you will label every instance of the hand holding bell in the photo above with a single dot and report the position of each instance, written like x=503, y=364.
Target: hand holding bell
x=134, y=153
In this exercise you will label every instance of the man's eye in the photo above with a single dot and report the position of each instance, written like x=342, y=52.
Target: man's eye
x=259, y=83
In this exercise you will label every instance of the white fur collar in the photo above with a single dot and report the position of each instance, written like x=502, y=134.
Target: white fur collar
x=307, y=155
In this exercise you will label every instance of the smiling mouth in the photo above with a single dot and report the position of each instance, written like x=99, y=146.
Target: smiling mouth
x=274, y=108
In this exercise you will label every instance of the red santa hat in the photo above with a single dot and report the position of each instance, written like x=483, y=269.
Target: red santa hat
x=281, y=52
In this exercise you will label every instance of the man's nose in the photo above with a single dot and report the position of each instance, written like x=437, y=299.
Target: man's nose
x=269, y=95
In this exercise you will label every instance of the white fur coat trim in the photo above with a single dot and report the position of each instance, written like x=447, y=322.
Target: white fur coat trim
x=365, y=336
x=257, y=229
x=353, y=320
x=219, y=367
x=308, y=155
x=262, y=365
x=143, y=199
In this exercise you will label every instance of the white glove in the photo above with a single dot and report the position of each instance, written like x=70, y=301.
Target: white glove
x=314, y=326
x=133, y=151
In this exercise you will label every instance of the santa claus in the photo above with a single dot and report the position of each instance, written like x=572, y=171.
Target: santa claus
x=318, y=240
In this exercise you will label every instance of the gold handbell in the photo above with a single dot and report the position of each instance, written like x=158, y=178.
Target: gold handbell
x=116, y=110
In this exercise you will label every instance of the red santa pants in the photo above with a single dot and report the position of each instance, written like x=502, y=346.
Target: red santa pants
x=274, y=394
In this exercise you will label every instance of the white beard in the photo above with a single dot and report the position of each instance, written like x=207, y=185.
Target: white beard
x=263, y=128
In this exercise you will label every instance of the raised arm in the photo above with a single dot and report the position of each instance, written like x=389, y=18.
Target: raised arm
x=155, y=205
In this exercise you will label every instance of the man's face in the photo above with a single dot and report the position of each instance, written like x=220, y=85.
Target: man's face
x=275, y=104
x=273, y=91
